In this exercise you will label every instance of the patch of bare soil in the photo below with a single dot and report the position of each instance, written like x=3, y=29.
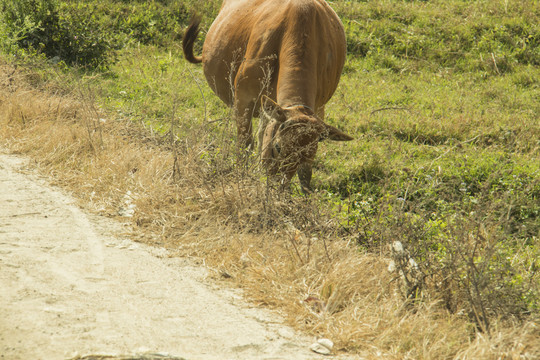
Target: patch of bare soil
x=71, y=288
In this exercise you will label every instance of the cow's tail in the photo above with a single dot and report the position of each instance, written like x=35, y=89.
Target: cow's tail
x=189, y=39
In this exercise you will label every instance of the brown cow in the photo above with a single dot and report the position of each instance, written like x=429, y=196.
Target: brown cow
x=292, y=51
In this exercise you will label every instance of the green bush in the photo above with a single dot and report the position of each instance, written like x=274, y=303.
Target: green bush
x=26, y=21
x=88, y=33
x=40, y=26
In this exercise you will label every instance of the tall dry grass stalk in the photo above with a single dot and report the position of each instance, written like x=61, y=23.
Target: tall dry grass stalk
x=286, y=253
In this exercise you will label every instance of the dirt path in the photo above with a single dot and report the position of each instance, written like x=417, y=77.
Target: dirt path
x=69, y=288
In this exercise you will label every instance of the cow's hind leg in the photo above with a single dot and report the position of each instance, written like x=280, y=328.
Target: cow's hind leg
x=246, y=92
x=243, y=113
x=252, y=80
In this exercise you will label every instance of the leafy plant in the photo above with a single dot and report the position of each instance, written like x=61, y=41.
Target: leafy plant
x=40, y=26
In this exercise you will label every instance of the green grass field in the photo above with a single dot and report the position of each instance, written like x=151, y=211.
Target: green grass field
x=442, y=97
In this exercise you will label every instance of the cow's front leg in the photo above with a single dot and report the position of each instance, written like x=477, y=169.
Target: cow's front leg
x=304, y=175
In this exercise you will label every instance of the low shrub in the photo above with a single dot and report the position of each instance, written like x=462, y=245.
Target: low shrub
x=87, y=34
x=39, y=26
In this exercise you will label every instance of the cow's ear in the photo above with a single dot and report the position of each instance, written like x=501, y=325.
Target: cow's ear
x=273, y=109
x=334, y=134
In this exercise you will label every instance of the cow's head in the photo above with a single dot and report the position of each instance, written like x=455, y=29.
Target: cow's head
x=291, y=137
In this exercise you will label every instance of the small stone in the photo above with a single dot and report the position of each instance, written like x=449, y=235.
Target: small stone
x=319, y=349
x=398, y=247
x=327, y=343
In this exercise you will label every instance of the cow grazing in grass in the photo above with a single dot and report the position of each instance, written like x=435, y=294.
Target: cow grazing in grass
x=280, y=60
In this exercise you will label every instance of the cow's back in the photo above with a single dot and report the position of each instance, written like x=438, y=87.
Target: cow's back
x=276, y=34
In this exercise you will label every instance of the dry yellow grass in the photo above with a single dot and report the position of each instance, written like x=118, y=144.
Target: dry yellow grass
x=231, y=221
